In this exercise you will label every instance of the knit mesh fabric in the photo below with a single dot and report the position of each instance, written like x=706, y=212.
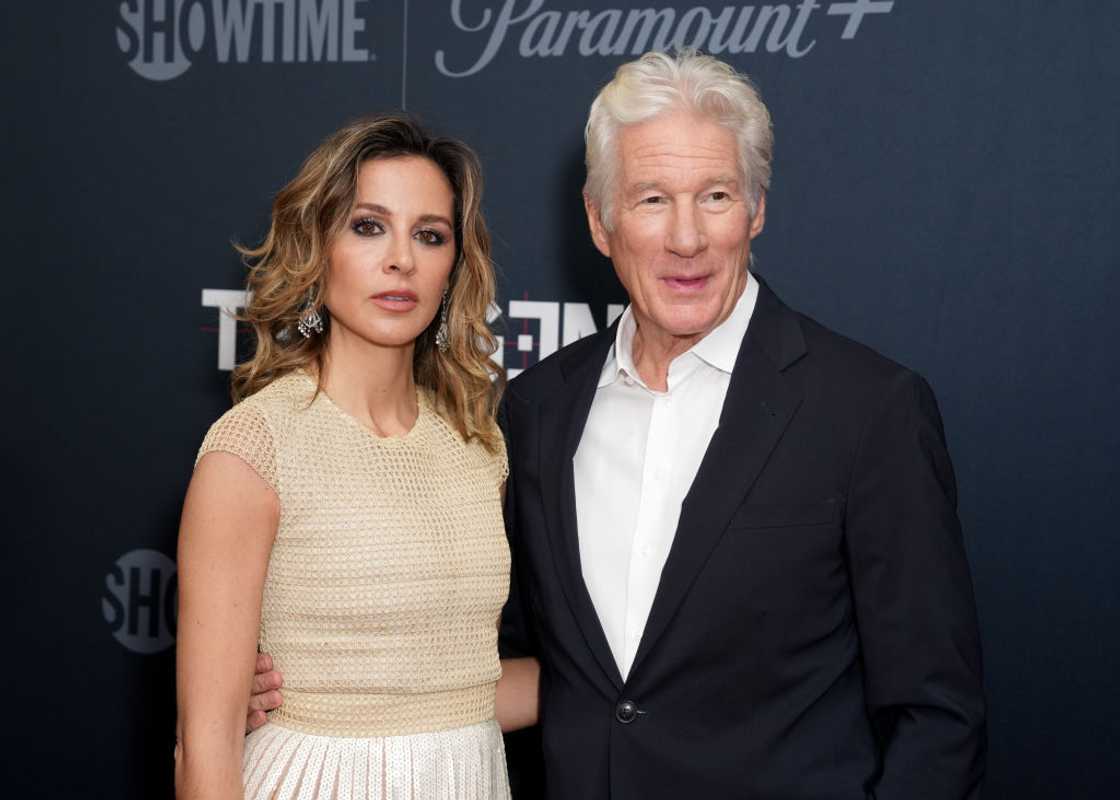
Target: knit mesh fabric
x=389, y=569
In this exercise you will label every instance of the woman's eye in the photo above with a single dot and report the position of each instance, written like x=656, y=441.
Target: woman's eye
x=428, y=236
x=367, y=227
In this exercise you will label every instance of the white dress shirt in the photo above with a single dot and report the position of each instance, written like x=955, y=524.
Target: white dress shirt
x=637, y=459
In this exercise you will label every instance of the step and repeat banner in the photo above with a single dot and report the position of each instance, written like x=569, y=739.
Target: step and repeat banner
x=945, y=190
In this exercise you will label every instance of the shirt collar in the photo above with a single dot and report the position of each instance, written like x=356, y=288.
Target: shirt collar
x=720, y=348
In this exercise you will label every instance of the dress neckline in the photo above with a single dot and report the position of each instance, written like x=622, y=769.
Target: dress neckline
x=423, y=410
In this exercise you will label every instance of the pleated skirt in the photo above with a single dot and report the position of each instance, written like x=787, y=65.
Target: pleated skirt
x=459, y=764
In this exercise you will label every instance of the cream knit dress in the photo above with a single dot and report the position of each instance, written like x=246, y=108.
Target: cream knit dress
x=384, y=587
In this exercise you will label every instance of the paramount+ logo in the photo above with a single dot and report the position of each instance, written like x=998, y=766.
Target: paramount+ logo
x=140, y=601
x=535, y=31
x=162, y=38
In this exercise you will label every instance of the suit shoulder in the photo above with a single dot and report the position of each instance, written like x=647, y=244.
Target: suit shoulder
x=860, y=384
x=846, y=361
x=547, y=377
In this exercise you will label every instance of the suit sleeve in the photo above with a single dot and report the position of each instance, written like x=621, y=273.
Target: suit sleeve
x=515, y=638
x=915, y=608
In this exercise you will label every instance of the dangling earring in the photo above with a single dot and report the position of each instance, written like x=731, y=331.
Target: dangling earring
x=310, y=321
x=443, y=336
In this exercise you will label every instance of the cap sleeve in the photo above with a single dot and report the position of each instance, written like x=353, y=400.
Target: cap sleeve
x=245, y=432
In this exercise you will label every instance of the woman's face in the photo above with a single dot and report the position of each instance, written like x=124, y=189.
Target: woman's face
x=389, y=266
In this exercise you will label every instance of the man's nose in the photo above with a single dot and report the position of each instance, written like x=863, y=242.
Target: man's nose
x=400, y=256
x=686, y=234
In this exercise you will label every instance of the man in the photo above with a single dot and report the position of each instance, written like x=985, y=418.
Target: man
x=736, y=548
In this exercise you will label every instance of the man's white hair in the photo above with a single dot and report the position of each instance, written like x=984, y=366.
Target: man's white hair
x=658, y=83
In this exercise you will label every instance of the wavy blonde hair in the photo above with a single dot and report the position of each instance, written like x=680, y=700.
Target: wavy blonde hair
x=288, y=272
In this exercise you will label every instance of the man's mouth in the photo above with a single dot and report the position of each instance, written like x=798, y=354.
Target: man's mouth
x=686, y=283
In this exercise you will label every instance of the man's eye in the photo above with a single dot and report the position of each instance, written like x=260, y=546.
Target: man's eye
x=428, y=236
x=652, y=200
x=719, y=196
x=366, y=226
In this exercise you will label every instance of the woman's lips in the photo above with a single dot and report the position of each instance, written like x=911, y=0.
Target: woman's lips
x=395, y=301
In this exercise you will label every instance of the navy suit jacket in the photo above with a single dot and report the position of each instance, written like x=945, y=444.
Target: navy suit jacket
x=814, y=632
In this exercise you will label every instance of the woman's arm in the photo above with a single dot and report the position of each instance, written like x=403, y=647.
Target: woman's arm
x=518, y=698
x=225, y=537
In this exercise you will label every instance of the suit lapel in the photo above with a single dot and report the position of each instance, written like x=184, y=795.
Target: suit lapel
x=760, y=403
x=562, y=421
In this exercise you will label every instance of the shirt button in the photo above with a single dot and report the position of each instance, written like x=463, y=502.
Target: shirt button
x=626, y=712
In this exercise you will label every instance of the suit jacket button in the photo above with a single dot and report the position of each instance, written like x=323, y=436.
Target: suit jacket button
x=626, y=712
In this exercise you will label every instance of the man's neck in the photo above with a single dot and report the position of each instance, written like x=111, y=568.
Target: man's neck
x=653, y=350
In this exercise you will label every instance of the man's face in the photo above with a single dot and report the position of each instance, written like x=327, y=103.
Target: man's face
x=682, y=224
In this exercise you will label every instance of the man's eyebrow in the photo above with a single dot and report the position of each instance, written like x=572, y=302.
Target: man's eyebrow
x=377, y=208
x=643, y=186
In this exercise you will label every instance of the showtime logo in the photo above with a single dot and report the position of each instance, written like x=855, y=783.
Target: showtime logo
x=140, y=601
x=162, y=38
x=546, y=326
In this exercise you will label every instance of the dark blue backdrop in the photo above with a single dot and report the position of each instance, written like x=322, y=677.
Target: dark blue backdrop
x=945, y=189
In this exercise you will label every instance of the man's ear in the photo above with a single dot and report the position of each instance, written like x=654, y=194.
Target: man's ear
x=758, y=221
x=595, y=223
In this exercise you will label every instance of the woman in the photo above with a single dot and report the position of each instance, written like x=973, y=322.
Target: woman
x=345, y=515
